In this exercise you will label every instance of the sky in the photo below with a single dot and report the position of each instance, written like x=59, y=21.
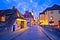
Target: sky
x=37, y=6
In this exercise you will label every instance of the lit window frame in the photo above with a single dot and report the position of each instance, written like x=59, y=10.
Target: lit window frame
x=2, y=18
x=51, y=18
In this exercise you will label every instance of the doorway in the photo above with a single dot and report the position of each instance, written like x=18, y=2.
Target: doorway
x=22, y=24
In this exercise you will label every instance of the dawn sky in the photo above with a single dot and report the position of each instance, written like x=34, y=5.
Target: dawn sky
x=23, y=5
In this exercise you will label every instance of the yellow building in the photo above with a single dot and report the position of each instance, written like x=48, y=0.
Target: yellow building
x=20, y=21
x=42, y=19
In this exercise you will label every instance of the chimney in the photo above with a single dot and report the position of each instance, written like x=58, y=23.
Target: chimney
x=13, y=7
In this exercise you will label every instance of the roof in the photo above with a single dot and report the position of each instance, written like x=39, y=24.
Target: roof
x=7, y=23
x=42, y=13
x=7, y=12
x=28, y=14
x=20, y=15
x=54, y=7
x=11, y=11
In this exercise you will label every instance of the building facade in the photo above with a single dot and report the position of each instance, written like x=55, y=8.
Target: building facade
x=29, y=17
x=42, y=19
x=51, y=15
x=11, y=20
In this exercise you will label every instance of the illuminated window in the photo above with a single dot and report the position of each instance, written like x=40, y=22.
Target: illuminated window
x=18, y=22
x=51, y=17
x=18, y=14
x=2, y=18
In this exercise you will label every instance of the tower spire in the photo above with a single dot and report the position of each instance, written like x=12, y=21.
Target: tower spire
x=32, y=12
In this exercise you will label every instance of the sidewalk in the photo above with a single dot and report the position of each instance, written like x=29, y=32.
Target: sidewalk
x=50, y=34
x=11, y=35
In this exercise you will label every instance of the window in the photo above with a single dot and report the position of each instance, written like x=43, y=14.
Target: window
x=51, y=17
x=59, y=11
x=51, y=11
x=2, y=18
x=18, y=22
x=18, y=14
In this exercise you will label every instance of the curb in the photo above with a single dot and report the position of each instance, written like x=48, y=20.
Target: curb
x=14, y=34
x=18, y=34
x=49, y=36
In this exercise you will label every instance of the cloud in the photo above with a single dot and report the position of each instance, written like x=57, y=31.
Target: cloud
x=8, y=0
x=35, y=4
x=29, y=6
x=24, y=5
x=15, y=0
x=31, y=1
x=24, y=9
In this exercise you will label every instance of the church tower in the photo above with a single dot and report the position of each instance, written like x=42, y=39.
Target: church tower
x=32, y=13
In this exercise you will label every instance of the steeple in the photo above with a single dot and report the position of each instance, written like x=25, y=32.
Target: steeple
x=32, y=12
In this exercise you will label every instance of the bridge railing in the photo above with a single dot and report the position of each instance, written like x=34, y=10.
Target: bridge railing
x=52, y=29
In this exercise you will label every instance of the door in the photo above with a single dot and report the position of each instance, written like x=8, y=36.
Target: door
x=22, y=24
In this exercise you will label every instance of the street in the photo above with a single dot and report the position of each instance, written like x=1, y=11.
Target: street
x=33, y=33
x=30, y=20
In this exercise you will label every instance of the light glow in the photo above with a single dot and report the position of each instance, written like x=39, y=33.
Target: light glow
x=19, y=22
x=3, y=18
x=43, y=22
